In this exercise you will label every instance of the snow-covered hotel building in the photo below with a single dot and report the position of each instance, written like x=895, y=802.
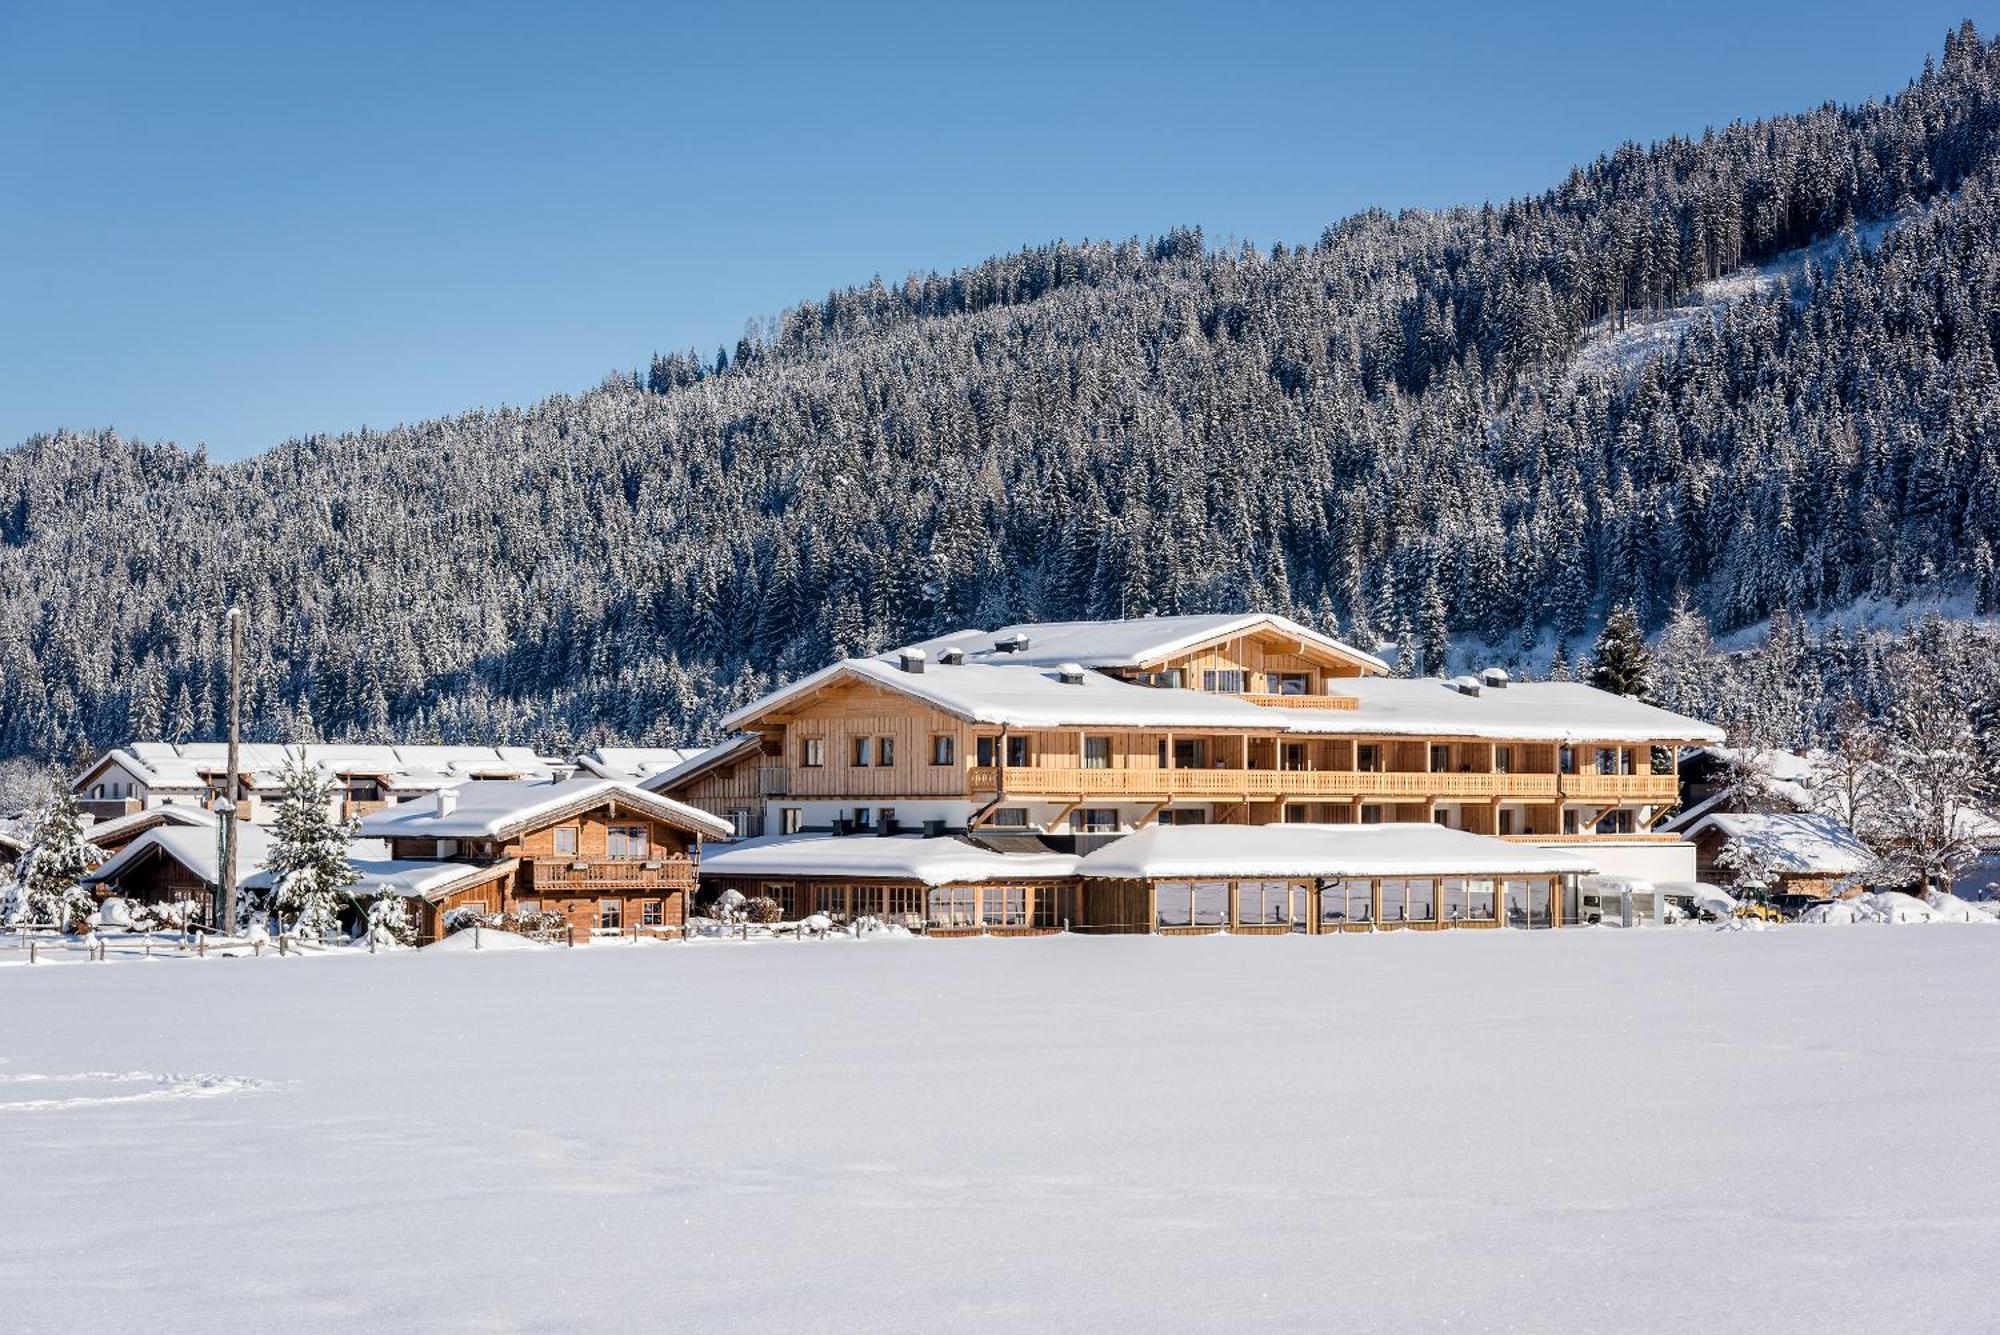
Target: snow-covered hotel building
x=1057, y=739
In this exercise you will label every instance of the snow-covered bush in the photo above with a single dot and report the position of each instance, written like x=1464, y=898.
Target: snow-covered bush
x=387, y=920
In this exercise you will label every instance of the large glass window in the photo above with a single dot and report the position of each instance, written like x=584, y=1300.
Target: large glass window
x=1094, y=820
x=1466, y=900
x=1191, y=903
x=953, y=906
x=1228, y=681
x=627, y=843
x=1263, y=903
x=1288, y=683
x=1347, y=901
x=985, y=751
x=1004, y=905
x=1420, y=901
x=1368, y=758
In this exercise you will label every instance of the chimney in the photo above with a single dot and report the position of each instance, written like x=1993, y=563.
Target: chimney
x=951, y=657
x=913, y=660
x=1070, y=674
x=1465, y=685
x=445, y=801
x=1016, y=643
x=1495, y=679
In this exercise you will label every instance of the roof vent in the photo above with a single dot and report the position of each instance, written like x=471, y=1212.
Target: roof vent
x=951, y=657
x=445, y=801
x=1495, y=679
x=1016, y=643
x=914, y=660
x=1464, y=685
x=1070, y=674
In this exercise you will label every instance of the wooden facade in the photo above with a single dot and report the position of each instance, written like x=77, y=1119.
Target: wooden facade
x=603, y=868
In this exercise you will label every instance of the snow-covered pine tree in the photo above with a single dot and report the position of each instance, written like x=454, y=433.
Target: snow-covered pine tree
x=308, y=862
x=1934, y=783
x=1620, y=662
x=47, y=888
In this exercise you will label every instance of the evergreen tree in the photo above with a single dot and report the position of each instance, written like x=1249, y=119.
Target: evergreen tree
x=1620, y=662
x=47, y=887
x=308, y=862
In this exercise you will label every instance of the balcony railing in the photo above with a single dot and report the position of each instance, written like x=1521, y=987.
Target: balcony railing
x=1034, y=781
x=1302, y=701
x=556, y=874
x=1621, y=787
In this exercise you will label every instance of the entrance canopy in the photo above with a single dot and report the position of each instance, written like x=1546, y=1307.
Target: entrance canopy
x=1317, y=852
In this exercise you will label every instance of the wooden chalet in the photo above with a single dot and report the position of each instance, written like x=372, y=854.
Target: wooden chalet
x=602, y=855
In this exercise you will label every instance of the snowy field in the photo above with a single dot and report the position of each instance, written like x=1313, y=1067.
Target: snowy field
x=1577, y=1131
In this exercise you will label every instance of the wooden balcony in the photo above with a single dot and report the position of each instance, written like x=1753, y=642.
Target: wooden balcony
x=554, y=876
x=1301, y=701
x=1073, y=783
x=1621, y=787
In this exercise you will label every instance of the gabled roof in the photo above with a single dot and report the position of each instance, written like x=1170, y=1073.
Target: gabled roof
x=1794, y=843
x=136, y=823
x=194, y=847
x=499, y=810
x=941, y=861
x=1315, y=851
x=1136, y=642
x=1023, y=695
x=189, y=765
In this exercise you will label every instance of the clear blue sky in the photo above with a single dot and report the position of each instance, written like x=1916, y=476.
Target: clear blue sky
x=241, y=223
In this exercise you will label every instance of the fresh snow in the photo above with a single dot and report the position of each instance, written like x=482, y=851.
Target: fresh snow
x=942, y=861
x=1501, y=1131
x=484, y=810
x=1791, y=842
x=1413, y=848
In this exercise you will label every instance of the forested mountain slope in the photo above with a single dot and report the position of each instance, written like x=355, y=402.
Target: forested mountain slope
x=1383, y=430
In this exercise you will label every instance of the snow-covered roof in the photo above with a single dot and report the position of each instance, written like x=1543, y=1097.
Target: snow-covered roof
x=1026, y=696
x=190, y=765
x=1132, y=643
x=699, y=762
x=1792, y=842
x=1313, y=851
x=194, y=847
x=633, y=764
x=117, y=827
x=492, y=810
x=942, y=861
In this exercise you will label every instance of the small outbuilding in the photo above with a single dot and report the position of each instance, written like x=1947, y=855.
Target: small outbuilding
x=1792, y=852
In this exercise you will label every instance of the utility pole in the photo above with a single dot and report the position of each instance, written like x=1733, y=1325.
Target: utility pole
x=229, y=797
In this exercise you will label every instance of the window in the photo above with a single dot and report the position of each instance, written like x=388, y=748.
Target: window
x=1409, y=900
x=1440, y=759
x=1616, y=822
x=1296, y=814
x=953, y=906
x=887, y=817
x=1368, y=758
x=1288, y=683
x=1569, y=820
x=1347, y=901
x=789, y=820
x=863, y=754
x=1608, y=758
x=1442, y=816
x=1191, y=903
x=627, y=843
x=944, y=749
x=1094, y=820
x=528, y=908
x=364, y=790
x=565, y=837
x=1004, y=905
x=1566, y=760
x=885, y=752
x=986, y=751
x=1228, y=681
x=1371, y=814
x=1503, y=760
x=1017, y=751
x=1507, y=821
x=611, y=914
x=1466, y=900
x=1015, y=818
x=1191, y=753
x=1097, y=753
x=812, y=752
x=1263, y=903
x=1293, y=756
x=650, y=913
